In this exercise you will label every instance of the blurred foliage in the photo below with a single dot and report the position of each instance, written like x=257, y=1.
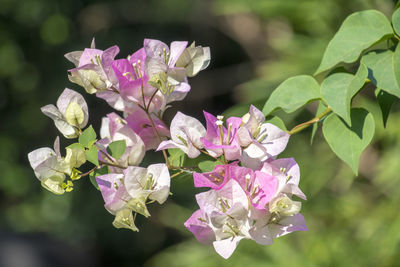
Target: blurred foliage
x=255, y=44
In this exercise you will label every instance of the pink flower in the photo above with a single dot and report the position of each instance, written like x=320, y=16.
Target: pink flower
x=140, y=124
x=288, y=174
x=219, y=140
x=215, y=179
x=113, y=190
x=132, y=80
x=114, y=128
x=199, y=225
x=260, y=187
x=93, y=68
x=260, y=140
x=161, y=69
x=227, y=210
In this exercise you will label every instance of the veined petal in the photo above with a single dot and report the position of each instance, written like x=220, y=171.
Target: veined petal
x=176, y=50
x=198, y=225
x=227, y=246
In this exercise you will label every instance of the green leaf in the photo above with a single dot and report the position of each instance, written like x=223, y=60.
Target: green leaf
x=87, y=137
x=384, y=69
x=103, y=170
x=358, y=32
x=277, y=122
x=116, y=148
x=76, y=146
x=339, y=88
x=396, y=21
x=176, y=157
x=321, y=108
x=385, y=101
x=91, y=155
x=349, y=142
x=292, y=94
x=207, y=165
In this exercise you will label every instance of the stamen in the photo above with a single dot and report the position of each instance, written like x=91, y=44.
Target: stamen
x=98, y=60
x=222, y=205
x=135, y=68
x=220, y=117
x=234, y=229
x=255, y=190
x=165, y=55
x=229, y=232
x=149, y=182
x=288, y=178
x=282, y=169
x=139, y=68
x=128, y=73
x=167, y=58
x=262, y=137
x=216, y=179
x=227, y=204
x=257, y=131
x=182, y=140
x=247, y=177
x=221, y=132
x=202, y=220
x=229, y=133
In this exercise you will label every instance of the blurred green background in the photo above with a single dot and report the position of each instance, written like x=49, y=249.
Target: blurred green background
x=255, y=45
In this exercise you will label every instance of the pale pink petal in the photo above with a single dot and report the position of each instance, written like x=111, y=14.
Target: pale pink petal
x=200, y=229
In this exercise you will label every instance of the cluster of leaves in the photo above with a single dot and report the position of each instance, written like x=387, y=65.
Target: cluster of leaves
x=368, y=42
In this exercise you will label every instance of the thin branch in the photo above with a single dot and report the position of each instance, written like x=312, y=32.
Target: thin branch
x=88, y=172
x=304, y=125
x=112, y=164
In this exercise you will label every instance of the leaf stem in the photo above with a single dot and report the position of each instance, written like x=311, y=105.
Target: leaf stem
x=176, y=174
x=112, y=164
x=88, y=172
x=304, y=125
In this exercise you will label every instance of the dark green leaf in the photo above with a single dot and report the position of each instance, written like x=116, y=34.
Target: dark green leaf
x=207, y=165
x=91, y=155
x=292, y=94
x=116, y=148
x=349, y=142
x=339, y=88
x=385, y=101
x=359, y=31
x=87, y=137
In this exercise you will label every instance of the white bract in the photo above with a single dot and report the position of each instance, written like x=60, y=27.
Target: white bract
x=70, y=114
x=186, y=134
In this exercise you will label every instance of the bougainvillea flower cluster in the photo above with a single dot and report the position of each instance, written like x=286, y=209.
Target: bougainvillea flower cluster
x=250, y=191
